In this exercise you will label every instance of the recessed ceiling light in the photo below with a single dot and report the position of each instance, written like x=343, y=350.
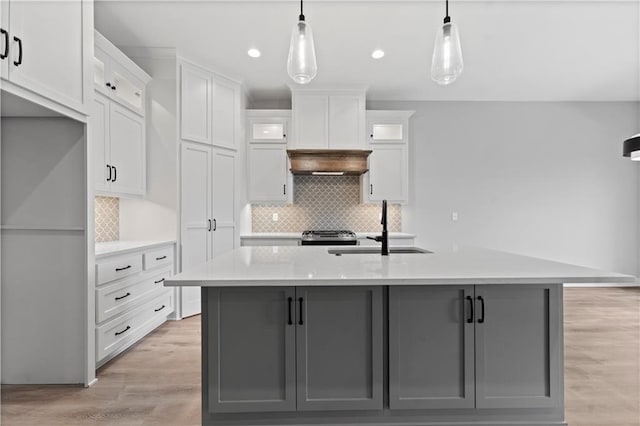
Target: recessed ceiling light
x=377, y=54
x=254, y=53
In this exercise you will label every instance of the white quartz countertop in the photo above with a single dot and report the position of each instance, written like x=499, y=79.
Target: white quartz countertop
x=121, y=247
x=297, y=235
x=313, y=265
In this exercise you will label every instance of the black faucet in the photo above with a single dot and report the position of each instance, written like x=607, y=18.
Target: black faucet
x=384, y=238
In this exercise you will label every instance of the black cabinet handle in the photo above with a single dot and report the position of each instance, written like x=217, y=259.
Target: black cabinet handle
x=209, y=227
x=290, y=300
x=284, y=189
x=159, y=281
x=122, y=297
x=4, y=54
x=19, y=61
x=159, y=309
x=215, y=225
x=481, y=319
x=109, y=177
x=300, y=320
x=115, y=173
x=120, y=332
x=122, y=269
x=108, y=84
x=113, y=87
x=470, y=317
x=371, y=189
x=161, y=257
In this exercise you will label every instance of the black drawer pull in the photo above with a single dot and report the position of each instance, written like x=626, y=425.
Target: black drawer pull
x=481, y=319
x=109, y=168
x=126, y=329
x=300, y=320
x=470, y=318
x=6, y=43
x=290, y=300
x=215, y=224
x=122, y=269
x=161, y=257
x=115, y=173
x=371, y=189
x=19, y=61
x=122, y=297
x=159, y=281
x=159, y=309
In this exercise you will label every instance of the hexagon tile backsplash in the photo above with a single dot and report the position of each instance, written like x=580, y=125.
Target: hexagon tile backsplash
x=325, y=202
x=107, y=210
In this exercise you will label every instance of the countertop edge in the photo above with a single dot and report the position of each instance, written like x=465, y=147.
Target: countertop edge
x=397, y=282
x=130, y=246
x=296, y=236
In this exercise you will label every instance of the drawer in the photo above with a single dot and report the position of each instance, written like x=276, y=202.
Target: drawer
x=118, y=267
x=113, y=299
x=132, y=326
x=159, y=257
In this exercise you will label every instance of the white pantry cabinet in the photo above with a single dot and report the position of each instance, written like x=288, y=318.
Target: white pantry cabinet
x=207, y=211
x=209, y=107
x=119, y=148
x=328, y=119
x=268, y=164
x=388, y=175
x=45, y=52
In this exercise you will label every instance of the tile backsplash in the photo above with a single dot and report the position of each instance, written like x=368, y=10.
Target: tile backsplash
x=107, y=211
x=324, y=202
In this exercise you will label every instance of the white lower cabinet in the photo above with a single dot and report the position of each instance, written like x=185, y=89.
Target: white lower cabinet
x=131, y=300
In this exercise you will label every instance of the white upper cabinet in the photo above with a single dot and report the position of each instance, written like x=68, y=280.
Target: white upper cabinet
x=388, y=175
x=118, y=138
x=269, y=179
x=328, y=120
x=196, y=95
x=210, y=107
x=268, y=174
x=127, y=142
x=45, y=48
x=117, y=123
x=118, y=77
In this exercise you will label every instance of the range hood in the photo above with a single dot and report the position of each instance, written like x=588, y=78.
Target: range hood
x=328, y=162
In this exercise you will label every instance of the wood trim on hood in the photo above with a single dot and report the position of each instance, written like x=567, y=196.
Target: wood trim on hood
x=330, y=161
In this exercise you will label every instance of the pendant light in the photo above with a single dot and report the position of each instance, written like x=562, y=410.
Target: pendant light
x=301, y=64
x=446, y=64
x=631, y=148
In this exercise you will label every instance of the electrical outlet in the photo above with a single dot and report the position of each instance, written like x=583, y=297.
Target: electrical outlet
x=275, y=217
x=454, y=216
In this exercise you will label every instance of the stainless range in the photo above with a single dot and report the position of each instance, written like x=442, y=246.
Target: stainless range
x=328, y=238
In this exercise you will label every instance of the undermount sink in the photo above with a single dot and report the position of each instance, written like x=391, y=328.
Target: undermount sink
x=376, y=250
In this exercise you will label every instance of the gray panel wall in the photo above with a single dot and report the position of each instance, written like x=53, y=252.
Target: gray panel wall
x=536, y=178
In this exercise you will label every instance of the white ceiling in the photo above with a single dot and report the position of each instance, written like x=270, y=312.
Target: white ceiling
x=517, y=50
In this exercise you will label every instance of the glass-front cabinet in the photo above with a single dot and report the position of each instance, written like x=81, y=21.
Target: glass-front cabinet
x=388, y=175
x=115, y=81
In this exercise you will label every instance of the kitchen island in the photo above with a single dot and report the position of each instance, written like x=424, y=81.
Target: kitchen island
x=299, y=336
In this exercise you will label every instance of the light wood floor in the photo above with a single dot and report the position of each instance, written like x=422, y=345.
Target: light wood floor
x=145, y=387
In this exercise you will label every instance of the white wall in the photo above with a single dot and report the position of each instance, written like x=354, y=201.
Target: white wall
x=155, y=217
x=541, y=179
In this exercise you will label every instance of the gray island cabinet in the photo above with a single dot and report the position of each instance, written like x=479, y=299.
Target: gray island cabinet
x=296, y=336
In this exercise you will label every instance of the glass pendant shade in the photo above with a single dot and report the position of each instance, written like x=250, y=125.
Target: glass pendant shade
x=446, y=64
x=301, y=64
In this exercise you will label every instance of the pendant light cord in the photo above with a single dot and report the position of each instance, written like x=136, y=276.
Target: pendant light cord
x=302, y=14
x=447, y=19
